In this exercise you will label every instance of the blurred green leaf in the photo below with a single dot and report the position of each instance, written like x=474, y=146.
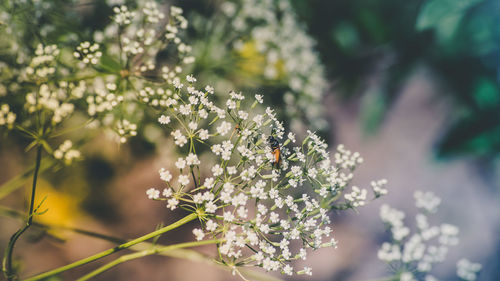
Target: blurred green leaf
x=476, y=133
x=346, y=36
x=486, y=93
x=444, y=16
x=435, y=12
x=373, y=110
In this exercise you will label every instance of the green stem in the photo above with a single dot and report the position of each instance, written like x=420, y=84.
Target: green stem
x=151, y=251
x=7, y=261
x=186, y=254
x=108, y=252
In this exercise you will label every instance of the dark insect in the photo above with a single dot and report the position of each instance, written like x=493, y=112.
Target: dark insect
x=275, y=147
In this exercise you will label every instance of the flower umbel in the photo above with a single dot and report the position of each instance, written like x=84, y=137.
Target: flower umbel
x=258, y=210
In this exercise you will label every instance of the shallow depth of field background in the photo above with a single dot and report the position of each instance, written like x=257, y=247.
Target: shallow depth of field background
x=414, y=86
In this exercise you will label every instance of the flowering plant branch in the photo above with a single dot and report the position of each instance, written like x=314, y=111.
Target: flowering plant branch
x=120, y=247
x=255, y=193
x=413, y=255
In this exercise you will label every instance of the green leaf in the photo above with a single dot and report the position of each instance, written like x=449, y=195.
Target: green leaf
x=444, y=16
x=436, y=12
x=476, y=133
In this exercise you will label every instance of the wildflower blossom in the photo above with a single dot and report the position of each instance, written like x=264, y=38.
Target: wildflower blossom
x=467, y=270
x=153, y=193
x=7, y=117
x=288, y=206
x=88, y=53
x=421, y=250
x=66, y=153
x=269, y=35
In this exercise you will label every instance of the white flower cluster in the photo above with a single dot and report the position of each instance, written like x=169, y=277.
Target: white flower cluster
x=66, y=153
x=133, y=42
x=55, y=101
x=379, y=187
x=421, y=250
x=88, y=53
x=126, y=129
x=104, y=100
x=123, y=16
x=261, y=204
x=271, y=29
x=42, y=65
x=7, y=117
x=467, y=270
x=427, y=201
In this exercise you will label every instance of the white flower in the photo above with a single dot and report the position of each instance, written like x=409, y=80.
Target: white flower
x=288, y=270
x=165, y=175
x=172, y=203
x=211, y=225
x=203, y=134
x=192, y=159
x=153, y=193
x=210, y=207
x=467, y=270
x=184, y=179
x=164, y=120
x=180, y=139
x=180, y=163
x=198, y=233
x=357, y=197
x=209, y=183
x=224, y=128
x=259, y=98
x=406, y=276
x=193, y=125
x=217, y=170
x=167, y=192
x=427, y=201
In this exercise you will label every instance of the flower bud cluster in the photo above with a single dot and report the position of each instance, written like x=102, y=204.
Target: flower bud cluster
x=126, y=129
x=7, y=117
x=88, y=53
x=66, y=153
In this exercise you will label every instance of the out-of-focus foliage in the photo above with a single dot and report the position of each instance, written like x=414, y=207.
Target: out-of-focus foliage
x=459, y=41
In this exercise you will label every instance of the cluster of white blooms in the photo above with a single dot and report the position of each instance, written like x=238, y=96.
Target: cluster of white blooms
x=126, y=129
x=122, y=15
x=132, y=41
x=467, y=270
x=66, y=153
x=7, y=117
x=51, y=99
x=427, y=201
x=260, y=205
x=421, y=250
x=357, y=196
x=104, y=99
x=272, y=30
x=379, y=187
x=42, y=65
x=88, y=53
